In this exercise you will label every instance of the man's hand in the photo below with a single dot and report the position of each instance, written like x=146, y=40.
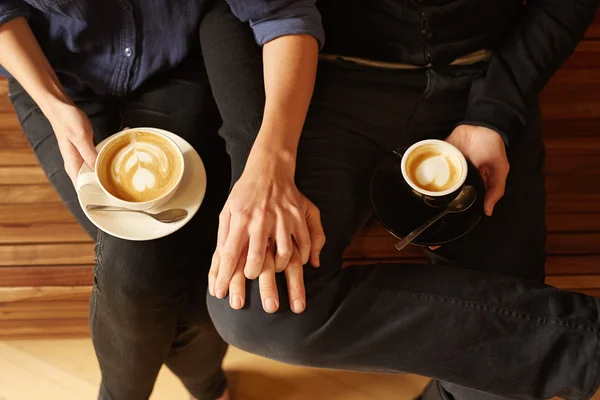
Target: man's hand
x=75, y=137
x=485, y=148
x=279, y=227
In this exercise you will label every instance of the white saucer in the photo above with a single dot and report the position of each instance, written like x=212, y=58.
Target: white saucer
x=135, y=226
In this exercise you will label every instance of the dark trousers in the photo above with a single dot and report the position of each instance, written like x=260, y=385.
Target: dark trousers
x=479, y=318
x=148, y=301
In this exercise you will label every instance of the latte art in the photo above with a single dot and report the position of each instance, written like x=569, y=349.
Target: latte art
x=432, y=170
x=140, y=167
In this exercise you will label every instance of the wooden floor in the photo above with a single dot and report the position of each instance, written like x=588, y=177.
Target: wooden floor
x=67, y=370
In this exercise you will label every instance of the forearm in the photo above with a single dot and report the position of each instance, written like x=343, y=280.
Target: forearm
x=22, y=57
x=290, y=64
x=544, y=37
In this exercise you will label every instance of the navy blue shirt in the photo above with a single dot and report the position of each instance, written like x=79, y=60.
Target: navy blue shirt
x=109, y=46
x=113, y=46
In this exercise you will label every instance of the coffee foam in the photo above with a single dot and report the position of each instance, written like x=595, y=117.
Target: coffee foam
x=431, y=169
x=140, y=167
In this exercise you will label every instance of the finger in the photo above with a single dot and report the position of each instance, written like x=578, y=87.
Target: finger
x=294, y=275
x=85, y=147
x=71, y=158
x=224, y=220
x=236, y=242
x=302, y=239
x=213, y=272
x=284, y=246
x=267, y=284
x=237, y=286
x=317, y=235
x=496, y=183
x=256, y=249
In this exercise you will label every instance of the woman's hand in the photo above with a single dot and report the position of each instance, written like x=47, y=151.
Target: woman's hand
x=75, y=137
x=265, y=226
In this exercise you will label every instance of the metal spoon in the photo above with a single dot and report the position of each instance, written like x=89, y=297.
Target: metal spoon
x=172, y=215
x=462, y=202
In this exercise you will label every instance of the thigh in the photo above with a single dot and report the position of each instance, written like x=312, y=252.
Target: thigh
x=234, y=65
x=104, y=118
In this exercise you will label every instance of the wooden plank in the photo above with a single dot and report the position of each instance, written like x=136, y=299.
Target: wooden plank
x=24, y=214
x=52, y=275
x=51, y=310
x=46, y=293
x=18, y=157
x=558, y=244
x=573, y=264
x=22, y=176
x=45, y=328
x=46, y=254
x=574, y=282
x=44, y=233
x=28, y=194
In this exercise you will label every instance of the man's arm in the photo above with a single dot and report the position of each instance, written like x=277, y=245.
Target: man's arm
x=545, y=36
x=22, y=57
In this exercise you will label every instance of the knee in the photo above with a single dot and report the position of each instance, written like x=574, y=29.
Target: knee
x=132, y=276
x=283, y=336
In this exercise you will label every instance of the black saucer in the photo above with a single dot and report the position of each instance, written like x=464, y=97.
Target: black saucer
x=400, y=211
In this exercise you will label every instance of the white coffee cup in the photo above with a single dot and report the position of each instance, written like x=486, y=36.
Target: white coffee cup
x=89, y=182
x=449, y=152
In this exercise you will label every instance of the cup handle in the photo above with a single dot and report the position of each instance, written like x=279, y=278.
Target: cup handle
x=88, y=183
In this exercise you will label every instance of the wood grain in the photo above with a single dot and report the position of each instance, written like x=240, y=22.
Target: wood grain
x=51, y=275
x=46, y=254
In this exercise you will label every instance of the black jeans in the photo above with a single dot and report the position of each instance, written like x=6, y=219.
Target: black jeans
x=148, y=301
x=479, y=317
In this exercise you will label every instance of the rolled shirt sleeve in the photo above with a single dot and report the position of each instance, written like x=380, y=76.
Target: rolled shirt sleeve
x=11, y=9
x=271, y=19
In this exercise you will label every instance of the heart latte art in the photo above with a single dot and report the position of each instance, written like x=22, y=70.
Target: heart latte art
x=432, y=169
x=138, y=167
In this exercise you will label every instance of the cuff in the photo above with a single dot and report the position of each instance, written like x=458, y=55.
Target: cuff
x=9, y=15
x=494, y=116
x=268, y=30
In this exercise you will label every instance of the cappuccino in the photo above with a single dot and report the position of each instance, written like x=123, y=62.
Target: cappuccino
x=139, y=166
x=431, y=168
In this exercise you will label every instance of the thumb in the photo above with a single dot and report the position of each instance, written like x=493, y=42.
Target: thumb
x=317, y=235
x=495, y=185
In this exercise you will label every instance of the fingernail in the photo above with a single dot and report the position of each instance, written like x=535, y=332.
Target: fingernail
x=220, y=294
x=236, y=302
x=270, y=305
x=318, y=260
x=298, y=306
x=211, y=289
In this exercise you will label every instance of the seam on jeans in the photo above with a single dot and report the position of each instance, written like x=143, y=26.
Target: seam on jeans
x=596, y=382
x=498, y=310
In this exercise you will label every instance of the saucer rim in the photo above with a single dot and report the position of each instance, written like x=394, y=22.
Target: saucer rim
x=395, y=155
x=192, y=208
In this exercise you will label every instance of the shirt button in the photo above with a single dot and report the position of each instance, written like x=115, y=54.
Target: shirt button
x=427, y=33
x=128, y=52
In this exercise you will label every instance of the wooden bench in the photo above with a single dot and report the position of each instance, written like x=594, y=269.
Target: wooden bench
x=46, y=259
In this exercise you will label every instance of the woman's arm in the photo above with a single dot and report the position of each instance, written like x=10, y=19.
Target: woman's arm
x=22, y=57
